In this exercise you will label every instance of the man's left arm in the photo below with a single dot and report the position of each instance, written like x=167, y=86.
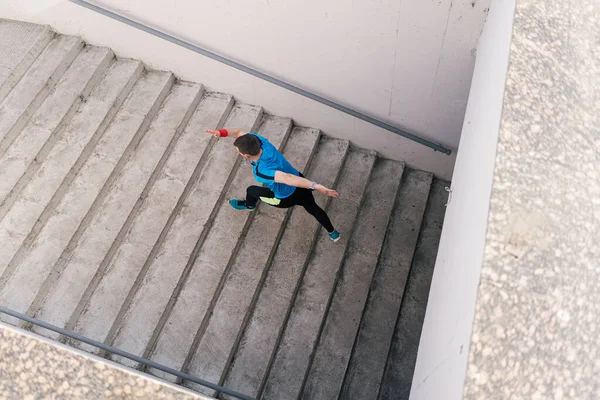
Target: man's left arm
x=298, y=181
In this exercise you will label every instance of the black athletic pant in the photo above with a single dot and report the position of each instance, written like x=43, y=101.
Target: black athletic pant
x=300, y=197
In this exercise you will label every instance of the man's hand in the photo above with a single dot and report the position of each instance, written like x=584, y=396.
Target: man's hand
x=216, y=134
x=232, y=133
x=326, y=191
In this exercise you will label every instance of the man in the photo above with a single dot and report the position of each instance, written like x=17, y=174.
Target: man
x=285, y=186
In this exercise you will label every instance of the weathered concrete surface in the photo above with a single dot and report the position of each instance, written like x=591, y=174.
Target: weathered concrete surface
x=35, y=85
x=535, y=334
x=114, y=223
x=196, y=293
x=62, y=218
x=366, y=366
x=78, y=264
x=212, y=354
x=258, y=343
x=397, y=378
x=20, y=45
x=328, y=368
x=290, y=364
x=54, y=114
x=108, y=289
x=36, y=368
x=133, y=327
x=26, y=202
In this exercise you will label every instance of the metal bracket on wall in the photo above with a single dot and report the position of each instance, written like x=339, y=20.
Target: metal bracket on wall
x=449, y=190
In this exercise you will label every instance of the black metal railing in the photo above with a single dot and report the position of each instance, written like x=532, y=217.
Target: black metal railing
x=114, y=350
x=261, y=75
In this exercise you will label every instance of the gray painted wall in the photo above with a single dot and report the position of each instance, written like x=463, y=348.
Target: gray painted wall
x=444, y=347
x=406, y=62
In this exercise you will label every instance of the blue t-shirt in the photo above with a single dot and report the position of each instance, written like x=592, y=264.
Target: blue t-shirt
x=270, y=161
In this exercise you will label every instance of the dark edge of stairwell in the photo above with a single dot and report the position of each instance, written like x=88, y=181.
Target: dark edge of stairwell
x=263, y=76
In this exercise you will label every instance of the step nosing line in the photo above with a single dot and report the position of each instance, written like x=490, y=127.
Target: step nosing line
x=108, y=184
x=61, y=263
x=309, y=257
x=119, y=321
x=250, y=312
x=24, y=66
x=335, y=283
x=150, y=348
x=65, y=184
x=55, y=136
x=206, y=319
x=40, y=96
x=94, y=283
x=404, y=298
x=191, y=261
x=255, y=296
x=397, y=202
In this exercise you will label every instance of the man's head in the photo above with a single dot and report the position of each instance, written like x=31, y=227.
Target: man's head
x=248, y=145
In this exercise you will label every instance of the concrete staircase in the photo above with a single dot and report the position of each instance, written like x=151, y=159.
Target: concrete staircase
x=114, y=224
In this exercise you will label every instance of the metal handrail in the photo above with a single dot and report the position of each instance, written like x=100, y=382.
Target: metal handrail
x=261, y=75
x=122, y=353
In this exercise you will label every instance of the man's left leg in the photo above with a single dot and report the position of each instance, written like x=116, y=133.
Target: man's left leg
x=253, y=194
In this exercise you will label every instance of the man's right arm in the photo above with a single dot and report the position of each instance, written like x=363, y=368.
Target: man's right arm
x=233, y=133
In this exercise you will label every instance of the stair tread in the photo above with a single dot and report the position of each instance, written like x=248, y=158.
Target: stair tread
x=23, y=207
x=107, y=292
x=326, y=374
x=83, y=261
x=243, y=277
x=33, y=262
x=133, y=331
x=369, y=356
x=20, y=45
x=79, y=80
x=36, y=84
x=254, y=352
x=397, y=378
x=171, y=347
x=291, y=361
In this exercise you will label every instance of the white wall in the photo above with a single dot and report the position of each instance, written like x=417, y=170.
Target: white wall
x=406, y=62
x=444, y=346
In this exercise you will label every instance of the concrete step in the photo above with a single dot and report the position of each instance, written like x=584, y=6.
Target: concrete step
x=78, y=264
x=33, y=88
x=114, y=223
x=57, y=163
x=71, y=212
x=100, y=304
x=328, y=367
x=73, y=89
x=167, y=346
x=260, y=335
x=137, y=316
x=20, y=45
x=369, y=356
x=397, y=378
x=292, y=359
x=212, y=349
x=215, y=226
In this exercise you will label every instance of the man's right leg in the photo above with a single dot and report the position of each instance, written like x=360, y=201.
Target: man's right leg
x=255, y=193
